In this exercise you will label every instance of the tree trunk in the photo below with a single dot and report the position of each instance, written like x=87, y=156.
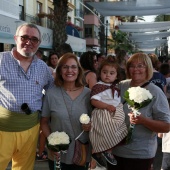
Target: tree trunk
x=60, y=19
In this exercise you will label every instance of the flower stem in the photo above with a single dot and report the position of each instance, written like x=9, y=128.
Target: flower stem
x=129, y=135
x=79, y=135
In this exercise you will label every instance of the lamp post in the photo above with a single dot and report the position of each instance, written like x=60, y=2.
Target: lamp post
x=106, y=34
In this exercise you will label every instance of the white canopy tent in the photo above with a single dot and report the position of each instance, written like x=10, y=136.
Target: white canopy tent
x=142, y=34
x=149, y=36
x=156, y=42
x=132, y=8
x=144, y=26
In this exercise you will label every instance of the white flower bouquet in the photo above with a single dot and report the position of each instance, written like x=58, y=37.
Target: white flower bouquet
x=136, y=98
x=58, y=141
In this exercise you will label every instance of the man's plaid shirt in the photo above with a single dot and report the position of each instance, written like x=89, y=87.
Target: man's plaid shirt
x=18, y=87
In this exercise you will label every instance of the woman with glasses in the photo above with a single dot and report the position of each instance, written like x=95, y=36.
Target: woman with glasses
x=155, y=117
x=63, y=105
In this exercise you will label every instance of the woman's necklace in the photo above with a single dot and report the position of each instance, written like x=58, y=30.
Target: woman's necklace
x=72, y=90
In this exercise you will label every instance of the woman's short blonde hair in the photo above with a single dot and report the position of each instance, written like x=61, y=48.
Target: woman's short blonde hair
x=143, y=58
x=58, y=79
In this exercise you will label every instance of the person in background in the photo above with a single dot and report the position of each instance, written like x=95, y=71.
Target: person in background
x=64, y=48
x=41, y=154
x=111, y=57
x=23, y=77
x=108, y=126
x=100, y=57
x=88, y=61
x=39, y=54
x=158, y=79
x=62, y=107
x=165, y=70
x=121, y=58
x=53, y=60
x=154, y=118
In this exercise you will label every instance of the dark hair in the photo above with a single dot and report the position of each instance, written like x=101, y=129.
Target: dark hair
x=87, y=61
x=59, y=80
x=99, y=55
x=64, y=48
x=111, y=63
x=120, y=55
x=111, y=58
x=164, y=69
x=49, y=58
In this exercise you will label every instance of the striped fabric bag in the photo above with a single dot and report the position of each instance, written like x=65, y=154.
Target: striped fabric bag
x=107, y=131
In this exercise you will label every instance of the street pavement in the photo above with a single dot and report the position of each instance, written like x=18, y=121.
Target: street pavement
x=156, y=165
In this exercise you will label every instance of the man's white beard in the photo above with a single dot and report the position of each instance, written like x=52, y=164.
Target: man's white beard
x=27, y=55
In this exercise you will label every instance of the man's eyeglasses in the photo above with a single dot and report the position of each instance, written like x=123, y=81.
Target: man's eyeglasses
x=33, y=40
x=66, y=67
x=139, y=66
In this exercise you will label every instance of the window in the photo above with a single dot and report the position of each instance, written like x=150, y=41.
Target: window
x=39, y=7
x=88, y=32
x=50, y=16
x=39, y=10
x=50, y=11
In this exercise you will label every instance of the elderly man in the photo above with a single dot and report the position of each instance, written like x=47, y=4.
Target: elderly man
x=22, y=78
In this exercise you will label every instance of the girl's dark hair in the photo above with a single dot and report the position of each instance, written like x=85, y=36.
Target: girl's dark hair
x=110, y=62
x=87, y=61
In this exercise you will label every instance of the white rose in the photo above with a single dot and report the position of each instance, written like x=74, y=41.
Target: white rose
x=84, y=118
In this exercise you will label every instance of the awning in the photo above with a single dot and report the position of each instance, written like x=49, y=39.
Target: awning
x=72, y=31
x=132, y=8
x=144, y=26
x=156, y=42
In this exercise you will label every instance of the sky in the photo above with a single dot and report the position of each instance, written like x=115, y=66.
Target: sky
x=149, y=18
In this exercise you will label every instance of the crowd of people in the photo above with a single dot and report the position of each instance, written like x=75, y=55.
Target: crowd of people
x=40, y=97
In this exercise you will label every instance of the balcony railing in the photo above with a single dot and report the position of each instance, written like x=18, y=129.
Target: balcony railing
x=33, y=19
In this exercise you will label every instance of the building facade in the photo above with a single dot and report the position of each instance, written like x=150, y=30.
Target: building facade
x=15, y=12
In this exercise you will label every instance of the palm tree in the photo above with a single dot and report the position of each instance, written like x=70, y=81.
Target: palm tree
x=60, y=19
x=120, y=40
x=159, y=18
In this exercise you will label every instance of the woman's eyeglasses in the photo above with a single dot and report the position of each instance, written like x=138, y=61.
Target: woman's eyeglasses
x=73, y=67
x=33, y=40
x=139, y=66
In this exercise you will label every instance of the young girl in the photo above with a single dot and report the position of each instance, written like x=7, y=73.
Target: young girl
x=108, y=119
